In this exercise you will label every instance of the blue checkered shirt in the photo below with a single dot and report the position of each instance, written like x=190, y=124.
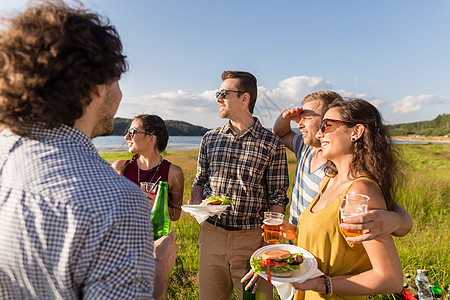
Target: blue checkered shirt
x=70, y=227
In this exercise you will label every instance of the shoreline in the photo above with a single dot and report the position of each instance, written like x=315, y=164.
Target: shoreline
x=169, y=148
x=181, y=147
x=425, y=139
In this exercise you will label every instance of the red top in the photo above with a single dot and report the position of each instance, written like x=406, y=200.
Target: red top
x=147, y=175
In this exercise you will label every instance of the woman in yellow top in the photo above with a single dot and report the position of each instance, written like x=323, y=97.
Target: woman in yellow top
x=362, y=160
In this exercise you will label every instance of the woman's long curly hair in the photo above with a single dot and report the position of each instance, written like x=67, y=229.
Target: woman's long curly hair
x=375, y=155
x=154, y=125
x=51, y=56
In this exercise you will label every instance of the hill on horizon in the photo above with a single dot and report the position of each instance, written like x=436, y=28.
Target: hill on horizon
x=175, y=128
x=439, y=126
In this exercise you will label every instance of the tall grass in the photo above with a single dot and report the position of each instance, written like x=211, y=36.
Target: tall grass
x=426, y=197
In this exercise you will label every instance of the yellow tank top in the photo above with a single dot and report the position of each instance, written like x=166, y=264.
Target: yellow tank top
x=320, y=234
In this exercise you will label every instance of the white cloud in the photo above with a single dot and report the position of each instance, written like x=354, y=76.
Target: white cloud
x=289, y=93
x=297, y=87
x=202, y=108
x=413, y=104
x=372, y=99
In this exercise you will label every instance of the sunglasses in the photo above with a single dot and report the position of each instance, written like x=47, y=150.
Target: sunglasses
x=132, y=131
x=324, y=125
x=223, y=93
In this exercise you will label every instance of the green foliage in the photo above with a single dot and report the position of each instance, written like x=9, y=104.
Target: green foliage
x=440, y=126
x=121, y=126
x=426, y=197
x=184, y=128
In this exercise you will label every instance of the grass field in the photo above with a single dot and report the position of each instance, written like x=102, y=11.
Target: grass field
x=426, y=197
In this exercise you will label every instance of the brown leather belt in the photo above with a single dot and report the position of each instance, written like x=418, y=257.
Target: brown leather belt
x=229, y=228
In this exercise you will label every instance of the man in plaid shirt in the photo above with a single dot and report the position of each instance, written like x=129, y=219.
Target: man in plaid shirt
x=70, y=226
x=247, y=163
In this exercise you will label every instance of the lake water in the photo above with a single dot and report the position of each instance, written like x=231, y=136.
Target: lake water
x=116, y=143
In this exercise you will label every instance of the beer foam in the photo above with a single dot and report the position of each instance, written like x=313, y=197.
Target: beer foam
x=273, y=222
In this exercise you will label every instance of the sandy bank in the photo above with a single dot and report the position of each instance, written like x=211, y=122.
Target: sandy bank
x=431, y=139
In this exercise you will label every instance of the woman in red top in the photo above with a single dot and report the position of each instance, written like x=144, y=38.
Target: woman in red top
x=148, y=137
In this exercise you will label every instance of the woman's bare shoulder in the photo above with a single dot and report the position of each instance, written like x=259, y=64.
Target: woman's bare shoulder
x=175, y=170
x=370, y=189
x=118, y=164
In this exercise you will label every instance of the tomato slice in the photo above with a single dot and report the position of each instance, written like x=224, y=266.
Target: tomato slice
x=274, y=264
x=269, y=265
x=215, y=202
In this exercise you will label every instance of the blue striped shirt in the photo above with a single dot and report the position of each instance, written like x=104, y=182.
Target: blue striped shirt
x=70, y=226
x=306, y=183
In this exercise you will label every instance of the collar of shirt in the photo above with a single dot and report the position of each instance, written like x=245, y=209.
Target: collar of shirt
x=39, y=131
x=253, y=130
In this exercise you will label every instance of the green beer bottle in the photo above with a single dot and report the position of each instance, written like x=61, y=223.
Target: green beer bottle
x=159, y=215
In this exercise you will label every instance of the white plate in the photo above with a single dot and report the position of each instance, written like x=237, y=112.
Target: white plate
x=307, y=269
x=202, y=212
x=207, y=209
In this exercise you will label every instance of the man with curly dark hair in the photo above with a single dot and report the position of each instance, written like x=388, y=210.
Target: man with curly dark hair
x=71, y=227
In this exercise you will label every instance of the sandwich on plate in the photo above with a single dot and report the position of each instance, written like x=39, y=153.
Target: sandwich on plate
x=278, y=263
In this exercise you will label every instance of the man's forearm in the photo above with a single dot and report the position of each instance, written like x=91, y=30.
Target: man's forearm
x=282, y=126
x=161, y=283
x=277, y=208
x=405, y=220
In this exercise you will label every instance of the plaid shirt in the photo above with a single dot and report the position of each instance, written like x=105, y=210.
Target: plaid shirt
x=250, y=169
x=70, y=227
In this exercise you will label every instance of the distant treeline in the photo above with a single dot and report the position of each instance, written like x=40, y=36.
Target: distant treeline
x=174, y=127
x=440, y=126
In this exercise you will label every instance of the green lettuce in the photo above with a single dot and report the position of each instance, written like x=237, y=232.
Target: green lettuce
x=223, y=199
x=256, y=265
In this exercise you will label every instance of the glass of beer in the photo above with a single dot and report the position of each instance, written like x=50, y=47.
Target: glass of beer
x=272, y=223
x=353, y=205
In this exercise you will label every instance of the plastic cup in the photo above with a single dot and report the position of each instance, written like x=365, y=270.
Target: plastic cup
x=353, y=205
x=147, y=186
x=272, y=223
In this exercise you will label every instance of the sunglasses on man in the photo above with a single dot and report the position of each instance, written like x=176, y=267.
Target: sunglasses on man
x=223, y=93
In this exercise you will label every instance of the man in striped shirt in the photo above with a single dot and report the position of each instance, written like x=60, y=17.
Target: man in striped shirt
x=310, y=164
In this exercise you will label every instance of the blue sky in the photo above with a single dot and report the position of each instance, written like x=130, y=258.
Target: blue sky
x=396, y=54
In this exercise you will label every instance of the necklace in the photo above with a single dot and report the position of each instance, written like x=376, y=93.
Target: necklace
x=139, y=171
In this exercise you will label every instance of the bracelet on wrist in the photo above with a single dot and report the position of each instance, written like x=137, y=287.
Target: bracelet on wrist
x=331, y=285
x=328, y=286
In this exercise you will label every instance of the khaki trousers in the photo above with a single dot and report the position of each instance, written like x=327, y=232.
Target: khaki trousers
x=223, y=261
